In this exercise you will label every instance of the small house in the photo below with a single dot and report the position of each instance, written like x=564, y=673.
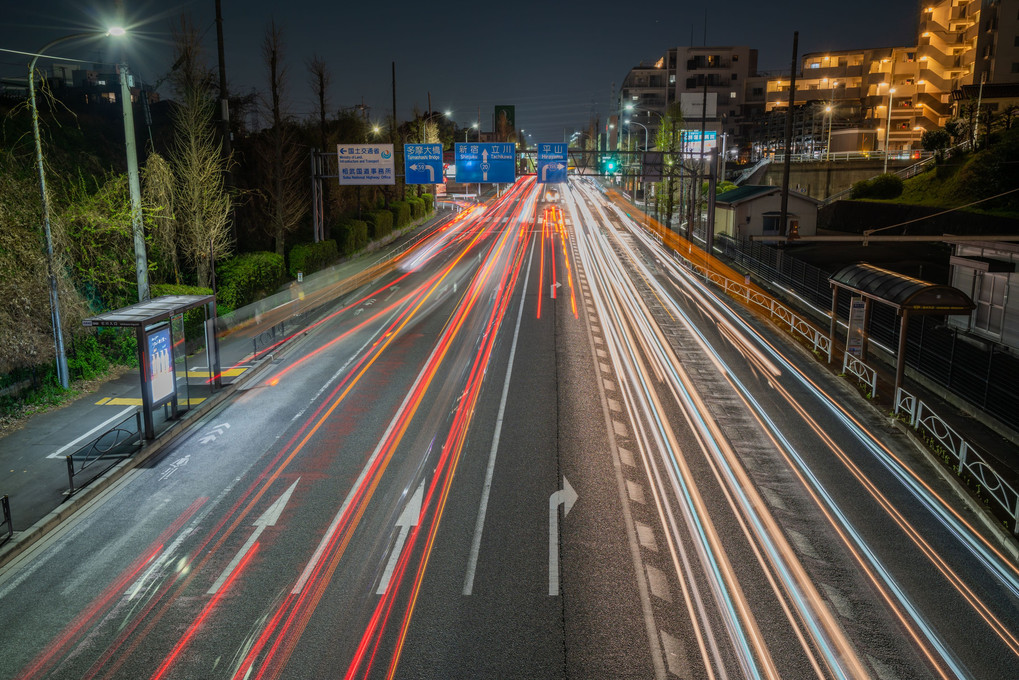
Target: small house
x=756, y=210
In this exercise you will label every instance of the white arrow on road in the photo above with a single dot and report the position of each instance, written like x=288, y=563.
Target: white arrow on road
x=408, y=518
x=565, y=497
x=553, y=289
x=268, y=519
x=216, y=431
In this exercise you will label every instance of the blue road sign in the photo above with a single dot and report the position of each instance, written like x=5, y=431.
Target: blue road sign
x=552, y=163
x=422, y=163
x=486, y=163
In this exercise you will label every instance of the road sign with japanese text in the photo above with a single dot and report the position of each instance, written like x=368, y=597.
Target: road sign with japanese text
x=422, y=163
x=486, y=163
x=365, y=164
x=552, y=163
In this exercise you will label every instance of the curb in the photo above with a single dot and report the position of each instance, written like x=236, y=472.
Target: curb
x=24, y=540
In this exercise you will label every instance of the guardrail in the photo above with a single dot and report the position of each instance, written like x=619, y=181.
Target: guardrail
x=775, y=310
x=853, y=365
x=112, y=446
x=5, y=503
x=962, y=457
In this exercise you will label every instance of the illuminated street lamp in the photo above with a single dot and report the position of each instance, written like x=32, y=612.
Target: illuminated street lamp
x=424, y=122
x=467, y=131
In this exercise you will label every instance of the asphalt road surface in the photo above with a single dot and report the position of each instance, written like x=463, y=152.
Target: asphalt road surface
x=539, y=447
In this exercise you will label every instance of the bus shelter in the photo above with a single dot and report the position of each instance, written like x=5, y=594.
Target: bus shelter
x=908, y=296
x=160, y=328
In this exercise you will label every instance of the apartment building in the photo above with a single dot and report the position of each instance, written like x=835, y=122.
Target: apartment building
x=708, y=80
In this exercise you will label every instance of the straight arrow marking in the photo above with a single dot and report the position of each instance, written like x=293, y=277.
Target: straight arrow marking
x=408, y=518
x=268, y=519
x=565, y=497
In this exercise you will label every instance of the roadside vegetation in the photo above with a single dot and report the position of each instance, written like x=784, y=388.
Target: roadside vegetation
x=246, y=218
x=985, y=181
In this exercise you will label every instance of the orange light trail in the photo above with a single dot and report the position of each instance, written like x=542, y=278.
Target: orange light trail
x=300, y=608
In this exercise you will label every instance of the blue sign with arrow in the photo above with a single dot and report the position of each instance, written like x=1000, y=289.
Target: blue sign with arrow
x=422, y=163
x=486, y=163
x=552, y=163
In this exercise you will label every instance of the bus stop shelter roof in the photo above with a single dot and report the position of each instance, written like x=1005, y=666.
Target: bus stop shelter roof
x=904, y=293
x=148, y=312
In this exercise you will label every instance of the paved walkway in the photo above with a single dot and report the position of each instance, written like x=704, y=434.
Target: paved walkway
x=33, y=458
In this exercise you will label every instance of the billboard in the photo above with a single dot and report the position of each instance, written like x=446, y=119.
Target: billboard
x=692, y=141
x=692, y=104
x=361, y=164
x=159, y=351
x=505, y=125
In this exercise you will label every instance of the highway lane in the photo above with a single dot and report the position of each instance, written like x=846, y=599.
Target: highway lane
x=536, y=447
x=849, y=540
x=292, y=535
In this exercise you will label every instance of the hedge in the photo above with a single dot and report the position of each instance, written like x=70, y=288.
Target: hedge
x=351, y=235
x=429, y=200
x=380, y=224
x=417, y=208
x=310, y=257
x=401, y=213
x=882, y=186
x=249, y=277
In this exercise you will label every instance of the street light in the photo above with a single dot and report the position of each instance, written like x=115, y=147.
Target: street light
x=424, y=123
x=467, y=130
x=888, y=127
x=628, y=122
x=58, y=336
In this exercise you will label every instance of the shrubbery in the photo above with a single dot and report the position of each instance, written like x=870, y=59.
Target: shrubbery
x=310, y=257
x=248, y=277
x=351, y=235
x=882, y=186
x=380, y=224
x=429, y=200
x=401, y=213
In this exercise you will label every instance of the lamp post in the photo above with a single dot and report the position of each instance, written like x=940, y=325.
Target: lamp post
x=58, y=336
x=888, y=127
x=424, y=123
x=137, y=227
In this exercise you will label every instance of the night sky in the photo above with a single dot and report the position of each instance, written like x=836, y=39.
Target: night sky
x=558, y=63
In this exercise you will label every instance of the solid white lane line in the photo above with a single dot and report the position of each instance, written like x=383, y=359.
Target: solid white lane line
x=472, y=563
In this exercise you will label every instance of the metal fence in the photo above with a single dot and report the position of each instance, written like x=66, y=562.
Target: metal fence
x=983, y=376
x=967, y=461
x=6, y=526
x=105, y=451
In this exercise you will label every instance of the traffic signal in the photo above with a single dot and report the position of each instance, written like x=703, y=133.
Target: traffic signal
x=609, y=164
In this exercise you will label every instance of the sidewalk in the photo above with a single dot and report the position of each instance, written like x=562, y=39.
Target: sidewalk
x=33, y=457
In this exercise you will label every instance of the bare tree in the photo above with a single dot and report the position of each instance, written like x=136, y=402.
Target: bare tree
x=319, y=79
x=201, y=207
x=284, y=198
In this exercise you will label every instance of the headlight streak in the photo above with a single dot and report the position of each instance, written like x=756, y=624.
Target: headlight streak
x=978, y=545
x=817, y=491
x=605, y=276
x=1004, y=568
x=829, y=632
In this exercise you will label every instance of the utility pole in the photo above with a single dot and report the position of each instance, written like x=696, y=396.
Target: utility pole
x=784, y=215
x=224, y=113
x=141, y=263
